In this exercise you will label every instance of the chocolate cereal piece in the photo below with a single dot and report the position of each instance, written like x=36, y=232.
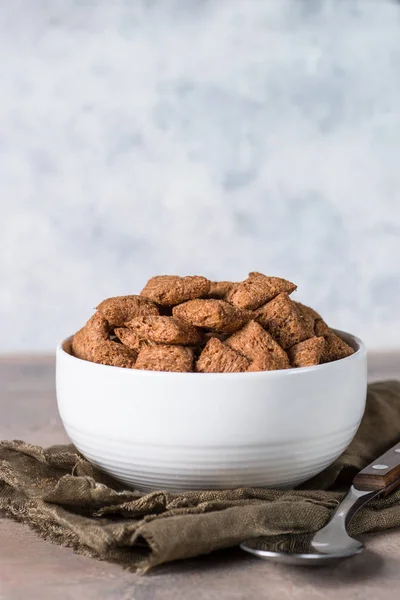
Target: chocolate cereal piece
x=120, y=309
x=165, y=358
x=284, y=321
x=131, y=339
x=212, y=314
x=97, y=328
x=219, y=358
x=114, y=354
x=219, y=289
x=92, y=343
x=88, y=337
x=259, y=347
x=208, y=335
x=335, y=348
x=320, y=327
x=309, y=314
x=258, y=289
x=307, y=353
x=263, y=363
x=169, y=290
x=165, y=330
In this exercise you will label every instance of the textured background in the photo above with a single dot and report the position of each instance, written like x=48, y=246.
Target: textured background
x=213, y=137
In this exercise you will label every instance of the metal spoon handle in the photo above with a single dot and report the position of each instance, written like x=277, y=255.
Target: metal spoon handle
x=381, y=475
x=380, y=478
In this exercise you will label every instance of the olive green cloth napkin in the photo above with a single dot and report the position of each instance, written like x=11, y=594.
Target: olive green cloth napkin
x=67, y=501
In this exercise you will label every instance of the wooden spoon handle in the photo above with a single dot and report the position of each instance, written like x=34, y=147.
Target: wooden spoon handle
x=382, y=474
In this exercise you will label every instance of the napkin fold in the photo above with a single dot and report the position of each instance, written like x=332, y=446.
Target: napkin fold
x=68, y=501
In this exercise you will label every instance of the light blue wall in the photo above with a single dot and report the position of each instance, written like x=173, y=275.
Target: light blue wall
x=211, y=137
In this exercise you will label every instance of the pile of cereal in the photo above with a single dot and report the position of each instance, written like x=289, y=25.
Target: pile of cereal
x=185, y=324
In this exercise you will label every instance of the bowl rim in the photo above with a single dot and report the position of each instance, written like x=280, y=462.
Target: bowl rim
x=357, y=344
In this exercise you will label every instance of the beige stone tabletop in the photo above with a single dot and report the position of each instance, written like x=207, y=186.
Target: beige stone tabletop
x=37, y=570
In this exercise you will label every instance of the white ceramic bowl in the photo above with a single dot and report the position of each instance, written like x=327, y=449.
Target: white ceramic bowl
x=176, y=431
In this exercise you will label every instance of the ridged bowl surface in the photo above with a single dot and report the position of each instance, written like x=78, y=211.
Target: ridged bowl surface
x=179, y=431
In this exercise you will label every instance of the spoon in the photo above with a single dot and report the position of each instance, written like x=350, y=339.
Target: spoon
x=332, y=542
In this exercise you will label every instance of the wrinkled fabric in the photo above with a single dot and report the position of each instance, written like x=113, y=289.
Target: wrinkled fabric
x=68, y=501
